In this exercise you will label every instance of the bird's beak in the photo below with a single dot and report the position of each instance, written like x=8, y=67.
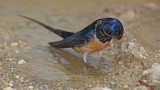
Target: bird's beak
x=108, y=35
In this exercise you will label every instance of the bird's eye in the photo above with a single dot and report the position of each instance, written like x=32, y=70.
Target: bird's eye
x=117, y=30
x=108, y=31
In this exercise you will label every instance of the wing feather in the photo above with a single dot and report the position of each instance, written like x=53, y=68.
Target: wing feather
x=76, y=40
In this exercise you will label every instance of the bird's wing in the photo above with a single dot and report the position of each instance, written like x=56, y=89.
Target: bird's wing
x=76, y=40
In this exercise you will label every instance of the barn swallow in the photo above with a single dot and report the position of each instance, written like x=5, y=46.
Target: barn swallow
x=92, y=38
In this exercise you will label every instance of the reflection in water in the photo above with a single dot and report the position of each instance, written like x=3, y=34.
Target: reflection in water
x=75, y=65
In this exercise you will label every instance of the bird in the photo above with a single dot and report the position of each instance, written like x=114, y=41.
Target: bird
x=93, y=38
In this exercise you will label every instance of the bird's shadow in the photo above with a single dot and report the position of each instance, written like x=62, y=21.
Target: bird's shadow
x=75, y=65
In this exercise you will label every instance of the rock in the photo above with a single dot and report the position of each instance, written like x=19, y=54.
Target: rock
x=141, y=87
x=21, y=61
x=45, y=86
x=125, y=86
x=154, y=72
x=8, y=88
x=14, y=44
x=30, y=87
x=11, y=59
x=10, y=84
x=101, y=88
x=17, y=77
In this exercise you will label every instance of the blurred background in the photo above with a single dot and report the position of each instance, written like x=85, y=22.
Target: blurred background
x=143, y=14
x=27, y=63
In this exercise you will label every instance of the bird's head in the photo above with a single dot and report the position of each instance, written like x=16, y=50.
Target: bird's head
x=112, y=28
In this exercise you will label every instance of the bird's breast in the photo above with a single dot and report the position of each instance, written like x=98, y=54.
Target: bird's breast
x=92, y=46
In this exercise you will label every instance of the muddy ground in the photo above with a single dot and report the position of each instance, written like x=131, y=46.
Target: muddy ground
x=27, y=61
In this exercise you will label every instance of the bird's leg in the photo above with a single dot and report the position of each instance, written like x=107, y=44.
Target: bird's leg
x=101, y=55
x=85, y=55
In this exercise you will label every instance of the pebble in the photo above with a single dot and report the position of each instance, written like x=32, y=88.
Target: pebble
x=100, y=88
x=10, y=84
x=1, y=64
x=30, y=87
x=141, y=87
x=125, y=86
x=154, y=72
x=21, y=61
x=14, y=44
x=11, y=59
x=8, y=88
x=59, y=88
x=17, y=77
x=45, y=86
x=144, y=80
x=90, y=85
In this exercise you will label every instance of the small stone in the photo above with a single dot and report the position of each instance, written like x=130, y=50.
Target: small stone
x=1, y=64
x=59, y=80
x=21, y=61
x=30, y=87
x=14, y=44
x=22, y=79
x=90, y=85
x=144, y=80
x=141, y=87
x=154, y=72
x=59, y=88
x=8, y=88
x=11, y=59
x=45, y=86
x=12, y=69
x=17, y=77
x=125, y=86
x=10, y=84
x=101, y=88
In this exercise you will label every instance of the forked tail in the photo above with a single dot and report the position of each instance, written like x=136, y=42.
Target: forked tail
x=59, y=32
